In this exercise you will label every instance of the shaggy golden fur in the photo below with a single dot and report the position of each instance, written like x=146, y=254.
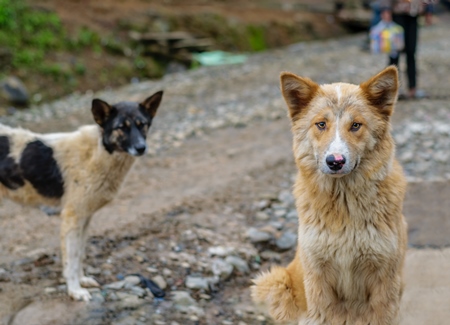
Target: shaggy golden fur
x=349, y=194
x=90, y=165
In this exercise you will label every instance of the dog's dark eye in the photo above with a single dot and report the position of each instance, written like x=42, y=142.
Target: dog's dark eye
x=355, y=126
x=321, y=125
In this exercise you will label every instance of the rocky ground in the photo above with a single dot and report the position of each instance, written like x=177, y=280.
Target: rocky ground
x=210, y=206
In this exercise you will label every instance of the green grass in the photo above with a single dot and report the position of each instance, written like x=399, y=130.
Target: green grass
x=28, y=33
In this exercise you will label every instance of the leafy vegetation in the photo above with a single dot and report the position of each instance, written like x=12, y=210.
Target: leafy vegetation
x=27, y=33
x=40, y=49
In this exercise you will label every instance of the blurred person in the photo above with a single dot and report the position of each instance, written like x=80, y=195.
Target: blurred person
x=374, y=6
x=406, y=13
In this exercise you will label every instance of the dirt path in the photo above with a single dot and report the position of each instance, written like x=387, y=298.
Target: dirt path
x=187, y=209
x=209, y=183
x=193, y=177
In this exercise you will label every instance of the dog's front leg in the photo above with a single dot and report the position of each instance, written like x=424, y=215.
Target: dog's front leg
x=71, y=247
x=85, y=281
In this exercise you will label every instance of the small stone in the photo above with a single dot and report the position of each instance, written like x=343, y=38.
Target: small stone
x=167, y=272
x=182, y=300
x=13, y=90
x=204, y=296
x=159, y=280
x=138, y=291
x=98, y=297
x=286, y=197
x=129, y=301
x=262, y=204
x=280, y=213
x=196, y=283
x=221, y=268
x=93, y=270
x=152, y=269
x=286, y=241
x=115, y=285
x=257, y=236
x=4, y=277
x=238, y=263
x=132, y=280
x=185, y=265
x=112, y=296
x=107, y=273
x=269, y=255
x=220, y=251
x=262, y=216
x=140, y=258
x=50, y=290
x=407, y=156
x=261, y=318
x=194, y=318
x=277, y=225
x=212, y=280
x=292, y=214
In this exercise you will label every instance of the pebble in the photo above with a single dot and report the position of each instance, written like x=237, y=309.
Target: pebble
x=221, y=268
x=238, y=263
x=50, y=290
x=196, y=283
x=129, y=301
x=93, y=270
x=132, y=280
x=269, y=255
x=138, y=291
x=98, y=297
x=280, y=213
x=262, y=216
x=292, y=214
x=159, y=280
x=257, y=236
x=182, y=298
x=286, y=241
x=220, y=251
x=115, y=285
x=4, y=277
x=152, y=269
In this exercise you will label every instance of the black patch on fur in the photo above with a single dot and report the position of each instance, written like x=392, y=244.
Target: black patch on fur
x=9, y=170
x=41, y=169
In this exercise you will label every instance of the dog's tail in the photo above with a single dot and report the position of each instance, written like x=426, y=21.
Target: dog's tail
x=283, y=291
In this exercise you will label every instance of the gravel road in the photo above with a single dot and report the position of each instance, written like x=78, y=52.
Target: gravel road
x=210, y=205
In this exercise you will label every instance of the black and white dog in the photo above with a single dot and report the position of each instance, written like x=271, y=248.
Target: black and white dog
x=78, y=171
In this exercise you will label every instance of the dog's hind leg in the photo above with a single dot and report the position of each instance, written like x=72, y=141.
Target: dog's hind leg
x=71, y=247
x=85, y=281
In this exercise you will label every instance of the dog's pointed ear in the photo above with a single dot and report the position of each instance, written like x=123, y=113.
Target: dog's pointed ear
x=101, y=111
x=381, y=90
x=297, y=92
x=151, y=104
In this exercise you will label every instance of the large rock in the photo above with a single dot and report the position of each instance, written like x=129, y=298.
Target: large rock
x=14, y=91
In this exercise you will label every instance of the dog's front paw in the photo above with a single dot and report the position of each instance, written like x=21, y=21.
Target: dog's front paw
x=80, y=294
x=88, y=282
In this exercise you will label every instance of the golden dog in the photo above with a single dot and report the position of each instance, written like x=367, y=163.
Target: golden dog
x=349, y=192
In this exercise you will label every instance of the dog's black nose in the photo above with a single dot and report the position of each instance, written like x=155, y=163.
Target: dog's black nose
x=335, y=162
x=140, y=149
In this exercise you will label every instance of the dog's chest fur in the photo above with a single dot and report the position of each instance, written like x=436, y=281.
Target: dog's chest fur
x=351, y=251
